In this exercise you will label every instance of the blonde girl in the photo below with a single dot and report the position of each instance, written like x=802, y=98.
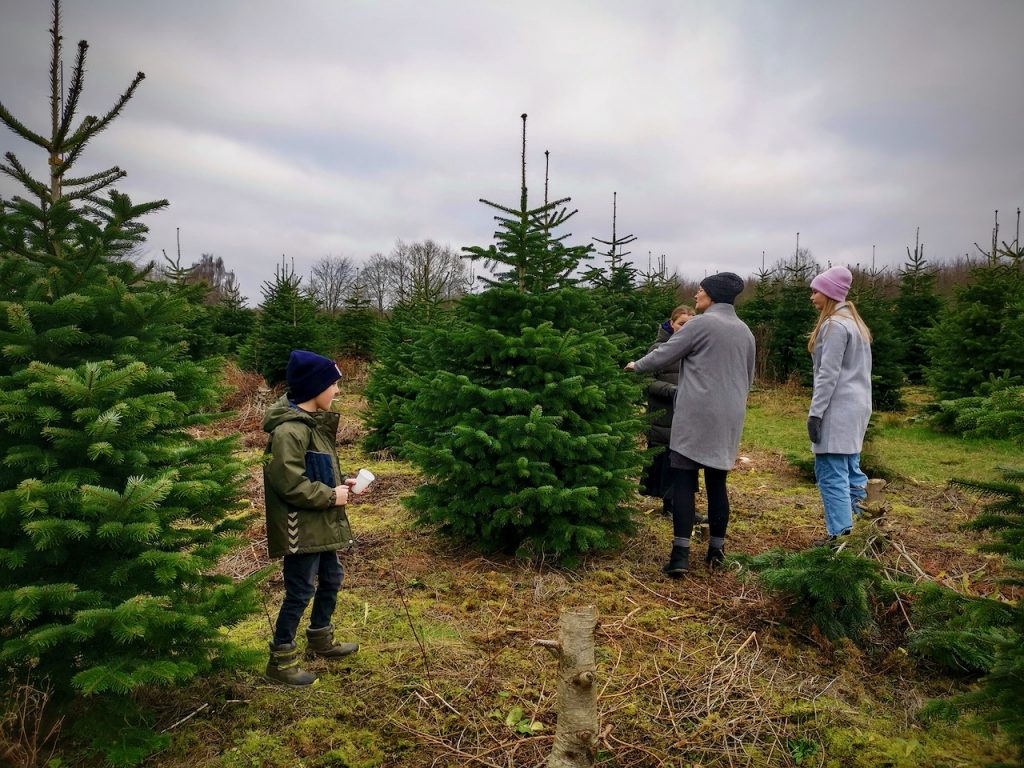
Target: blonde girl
x=840, y=347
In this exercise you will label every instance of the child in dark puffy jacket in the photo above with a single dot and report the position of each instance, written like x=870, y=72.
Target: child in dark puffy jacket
x=306, y=494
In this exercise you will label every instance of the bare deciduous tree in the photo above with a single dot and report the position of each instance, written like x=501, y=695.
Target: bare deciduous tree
x=330, y=281
x=427, y=272
x=375, y=278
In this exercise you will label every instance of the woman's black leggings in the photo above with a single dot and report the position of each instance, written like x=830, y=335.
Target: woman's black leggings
x=684, y=507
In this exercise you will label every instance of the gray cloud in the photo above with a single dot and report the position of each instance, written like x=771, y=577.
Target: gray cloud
x=326, y=127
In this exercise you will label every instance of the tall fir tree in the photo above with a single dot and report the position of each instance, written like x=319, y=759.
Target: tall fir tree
x=980, y=336
x=355, y=327
x=792, y=319
x=918, y=309
x=529, y=440
x=758, y=313
x=869, y=297
x=112, y=515
x=287, y=320
x=627, y=313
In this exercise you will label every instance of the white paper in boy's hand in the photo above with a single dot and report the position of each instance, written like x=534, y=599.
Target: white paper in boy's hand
x=363, y=479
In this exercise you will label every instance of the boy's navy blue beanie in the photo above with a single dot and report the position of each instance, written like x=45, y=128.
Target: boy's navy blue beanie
x=308, y=375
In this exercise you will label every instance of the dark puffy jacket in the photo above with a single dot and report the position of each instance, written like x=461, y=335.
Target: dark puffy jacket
x=661, y=396
x=298, y=481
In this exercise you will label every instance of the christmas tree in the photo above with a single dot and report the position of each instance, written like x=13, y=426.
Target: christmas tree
x=793, y=318
x=528, y=436
x=918, y=308
x=112, y=514
x=287, y=320
x=981, y=334
x=630, y=315
x=877, y=311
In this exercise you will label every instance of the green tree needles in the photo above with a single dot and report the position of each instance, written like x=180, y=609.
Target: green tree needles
x=528, y=436
x=112, y=515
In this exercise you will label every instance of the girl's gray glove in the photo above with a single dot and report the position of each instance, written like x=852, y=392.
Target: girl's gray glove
x=814, y=428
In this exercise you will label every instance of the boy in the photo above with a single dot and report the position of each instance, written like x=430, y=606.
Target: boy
x=306, y=495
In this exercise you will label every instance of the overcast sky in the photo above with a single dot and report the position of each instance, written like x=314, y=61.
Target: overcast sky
x=334, y=127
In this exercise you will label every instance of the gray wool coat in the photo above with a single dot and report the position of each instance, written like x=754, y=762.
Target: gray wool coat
x=717, y=352
x=842, y=385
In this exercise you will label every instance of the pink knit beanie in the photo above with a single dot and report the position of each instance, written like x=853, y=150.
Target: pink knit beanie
x=833, y=282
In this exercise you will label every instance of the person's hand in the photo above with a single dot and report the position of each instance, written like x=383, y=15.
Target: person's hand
x=814, y=428
x=341, y=494
x=630, y=366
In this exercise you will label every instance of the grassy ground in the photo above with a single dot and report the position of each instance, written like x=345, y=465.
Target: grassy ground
x=701, y=672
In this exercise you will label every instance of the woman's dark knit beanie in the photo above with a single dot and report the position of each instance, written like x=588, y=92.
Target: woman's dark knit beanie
x=722, y=288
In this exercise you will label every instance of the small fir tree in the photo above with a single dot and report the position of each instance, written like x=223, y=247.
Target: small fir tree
x=112, y=516
x=287, y=319
x=529, y=439
x=355, y=327
x=918, y=308
x=833, y=590
x=758, y=312
x=981, y=334
x=997, y=699
x=877, y=310
x=792, y=319
x=626, y=312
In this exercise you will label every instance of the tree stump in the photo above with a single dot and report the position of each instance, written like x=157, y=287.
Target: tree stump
x=874, y=505
x=576, y=729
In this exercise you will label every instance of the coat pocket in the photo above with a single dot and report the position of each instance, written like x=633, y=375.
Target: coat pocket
x=320, y=468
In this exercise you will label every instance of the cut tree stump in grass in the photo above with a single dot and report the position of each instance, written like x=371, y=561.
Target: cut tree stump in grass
x=875, y=504
x=576, y=730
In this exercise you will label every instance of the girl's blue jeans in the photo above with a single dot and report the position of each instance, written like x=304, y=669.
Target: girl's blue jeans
x=841, y=484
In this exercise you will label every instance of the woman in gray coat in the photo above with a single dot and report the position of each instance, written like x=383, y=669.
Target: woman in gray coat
x=716, y=350
x=840, y=347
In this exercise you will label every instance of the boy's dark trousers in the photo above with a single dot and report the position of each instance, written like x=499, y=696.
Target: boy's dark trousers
x=301, y=573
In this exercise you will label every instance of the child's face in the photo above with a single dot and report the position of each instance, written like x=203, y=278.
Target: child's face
x=324, y=399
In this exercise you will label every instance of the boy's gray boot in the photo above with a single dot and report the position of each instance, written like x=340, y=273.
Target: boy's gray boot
x=321, y=643
x=283, y=666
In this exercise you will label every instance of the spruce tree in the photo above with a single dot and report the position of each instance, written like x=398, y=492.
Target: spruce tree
x=628, y=313
x=287, y=319
x=232, y=320
x=981, y=334
x=528, y=438
x=918, y=308
x=792, y=319
x=877, y=311
x=112, y=515
x=997, y=699
x=355, y=327
x=758, y=313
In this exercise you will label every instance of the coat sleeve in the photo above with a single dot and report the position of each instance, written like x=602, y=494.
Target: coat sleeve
x=286, y=472
x=678, y=346
x=833, y=339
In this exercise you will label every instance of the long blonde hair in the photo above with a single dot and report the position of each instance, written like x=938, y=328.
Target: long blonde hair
x=830, y=308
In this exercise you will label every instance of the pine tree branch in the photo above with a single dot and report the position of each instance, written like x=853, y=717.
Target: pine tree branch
x=18, y=172
x=95, y=177
x=87, y=192
x=74, y=92
x=101, y=123
x=15, y=125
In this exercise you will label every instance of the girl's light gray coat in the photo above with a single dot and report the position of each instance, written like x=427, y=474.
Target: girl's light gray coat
x=842, y=385
x=717, y=350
